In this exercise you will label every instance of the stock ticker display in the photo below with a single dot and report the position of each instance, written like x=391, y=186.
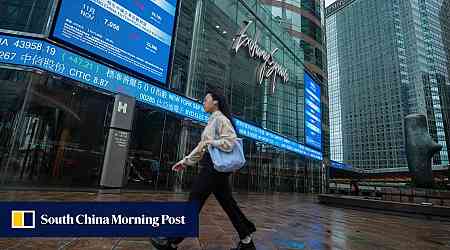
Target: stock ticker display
x=134, y=34
x=47, y=56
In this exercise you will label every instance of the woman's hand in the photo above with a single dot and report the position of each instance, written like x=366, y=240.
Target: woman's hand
x=206, y=143
x=179, y=166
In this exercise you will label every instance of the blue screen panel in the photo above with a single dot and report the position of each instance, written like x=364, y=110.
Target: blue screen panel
x=313, y=113
x=339, y=165
x=134, y=34
x=46, y=56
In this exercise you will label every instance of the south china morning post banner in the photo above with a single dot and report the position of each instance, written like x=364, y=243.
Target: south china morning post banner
x=99, y=219
x=47, y=56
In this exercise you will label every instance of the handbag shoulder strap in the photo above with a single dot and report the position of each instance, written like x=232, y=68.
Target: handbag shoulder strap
x=216, y=129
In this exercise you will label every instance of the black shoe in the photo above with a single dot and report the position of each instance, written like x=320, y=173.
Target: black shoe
x=161, y=244
x=252, y=228
x=243, y=246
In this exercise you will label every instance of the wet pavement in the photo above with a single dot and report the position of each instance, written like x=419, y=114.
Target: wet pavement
x=284, y=221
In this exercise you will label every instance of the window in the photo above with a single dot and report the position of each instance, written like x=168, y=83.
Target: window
x=25, y=15
x=61, y=133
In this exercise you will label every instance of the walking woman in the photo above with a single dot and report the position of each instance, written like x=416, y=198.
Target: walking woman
x=219, y=133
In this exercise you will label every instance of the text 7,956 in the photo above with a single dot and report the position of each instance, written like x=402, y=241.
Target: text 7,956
x=112, y=25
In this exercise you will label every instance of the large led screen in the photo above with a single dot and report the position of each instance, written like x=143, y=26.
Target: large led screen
x=133, y=34
x=313, y=114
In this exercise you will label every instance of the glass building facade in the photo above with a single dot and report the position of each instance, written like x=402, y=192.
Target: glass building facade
x=53, y=129
x=386, y=59
x=445, y=89
x=304, y=22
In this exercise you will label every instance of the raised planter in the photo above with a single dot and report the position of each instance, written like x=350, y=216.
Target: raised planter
x=417, y=196
x=402, y=207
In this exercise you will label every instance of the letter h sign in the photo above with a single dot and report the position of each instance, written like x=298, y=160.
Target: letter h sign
x=123, y=110
x=122, y=107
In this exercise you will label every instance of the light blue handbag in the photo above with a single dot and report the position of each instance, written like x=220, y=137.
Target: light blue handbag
x=227, y=161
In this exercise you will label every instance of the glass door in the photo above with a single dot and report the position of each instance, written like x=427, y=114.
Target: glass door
x=52, y=130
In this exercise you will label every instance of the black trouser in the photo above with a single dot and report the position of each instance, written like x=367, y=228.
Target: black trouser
x=210, y=181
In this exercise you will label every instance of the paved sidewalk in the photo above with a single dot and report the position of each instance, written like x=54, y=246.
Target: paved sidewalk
x=284, y=221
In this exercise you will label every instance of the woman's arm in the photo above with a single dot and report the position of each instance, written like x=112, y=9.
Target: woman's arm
x=227, y=135
x=195, y=155
x=225, y=141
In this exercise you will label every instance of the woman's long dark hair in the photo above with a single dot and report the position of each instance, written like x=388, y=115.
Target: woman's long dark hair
x=222, y=104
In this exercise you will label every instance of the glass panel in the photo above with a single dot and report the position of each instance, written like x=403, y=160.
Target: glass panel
x=54, y=130
x=25, y=15
x=145, y=147
x=265, y=14
x=228, y=7
x=189, y=138
x=182, y=50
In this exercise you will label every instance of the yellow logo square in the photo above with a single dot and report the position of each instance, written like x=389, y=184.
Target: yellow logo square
x=22, y=219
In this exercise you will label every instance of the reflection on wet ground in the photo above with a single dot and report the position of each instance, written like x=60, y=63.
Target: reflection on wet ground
x=284, y=221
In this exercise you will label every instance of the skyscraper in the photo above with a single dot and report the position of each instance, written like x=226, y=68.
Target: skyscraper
x=445, y=26
x=386, y=59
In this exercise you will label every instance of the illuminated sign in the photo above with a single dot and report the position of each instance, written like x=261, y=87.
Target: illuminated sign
x=134, y=34
x=271, y=138
x=339, y=165
x=337, y=5
x=268, y=69
x=313, y=117
x=46, y=56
